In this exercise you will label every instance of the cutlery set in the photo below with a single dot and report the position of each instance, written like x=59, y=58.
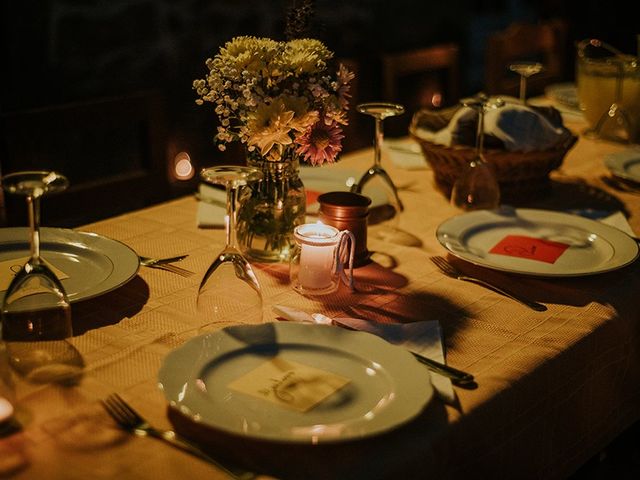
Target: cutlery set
x=130, y=420
x=622, y=185
x=166, y=264
x=451, y=271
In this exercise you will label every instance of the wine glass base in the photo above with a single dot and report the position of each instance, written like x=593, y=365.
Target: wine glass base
x=44, y=362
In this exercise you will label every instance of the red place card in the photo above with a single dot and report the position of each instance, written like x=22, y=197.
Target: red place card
x=529, y=247
x=312, y=196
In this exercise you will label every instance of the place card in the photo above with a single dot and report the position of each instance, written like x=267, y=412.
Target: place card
x=531, y=248
x=9, y=269
x=312, y=196
x=289, y=384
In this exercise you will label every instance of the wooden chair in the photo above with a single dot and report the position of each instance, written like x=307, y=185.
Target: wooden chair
x=112, y=150
x=424, y=78
x=542, y=42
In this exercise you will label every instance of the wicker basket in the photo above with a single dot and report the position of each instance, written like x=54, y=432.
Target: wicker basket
x=522, y=176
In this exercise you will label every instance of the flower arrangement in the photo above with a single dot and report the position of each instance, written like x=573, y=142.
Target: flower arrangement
x=280, y=99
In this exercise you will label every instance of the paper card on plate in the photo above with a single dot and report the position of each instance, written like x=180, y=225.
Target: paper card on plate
x=9, y=269
x=530, y=247
x=289, y=384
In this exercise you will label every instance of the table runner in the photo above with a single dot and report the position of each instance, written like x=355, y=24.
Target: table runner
x=553, y=387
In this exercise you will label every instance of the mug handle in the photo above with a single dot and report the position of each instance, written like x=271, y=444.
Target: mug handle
x=342, y=251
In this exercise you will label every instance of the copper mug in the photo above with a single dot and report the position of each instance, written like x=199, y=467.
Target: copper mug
x=348, y=211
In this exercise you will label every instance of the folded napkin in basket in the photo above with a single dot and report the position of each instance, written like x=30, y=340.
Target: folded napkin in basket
x=211, y=207
x=424, y=337
x=514, y=127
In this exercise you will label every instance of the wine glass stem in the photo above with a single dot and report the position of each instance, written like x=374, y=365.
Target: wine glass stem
x=33, y=210
x=378, y=142
x=480, y=132
x=231, y=217
x=523, y=89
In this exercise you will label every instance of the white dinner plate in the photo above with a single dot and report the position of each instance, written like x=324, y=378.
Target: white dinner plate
x=624, y=164
x=94, y=264
x=387, y=386
x=334, y=178
x=593, y=247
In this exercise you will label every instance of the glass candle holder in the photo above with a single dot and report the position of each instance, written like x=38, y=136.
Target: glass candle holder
x=319, y=257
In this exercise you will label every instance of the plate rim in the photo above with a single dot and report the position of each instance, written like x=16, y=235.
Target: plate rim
x=475, y=260
x=417, y=403
x=615, y=163
x=123, y=271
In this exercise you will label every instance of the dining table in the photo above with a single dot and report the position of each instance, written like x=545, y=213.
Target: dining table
x=552, y=388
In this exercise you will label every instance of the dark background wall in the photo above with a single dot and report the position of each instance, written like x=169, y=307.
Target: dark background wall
x=59, y=51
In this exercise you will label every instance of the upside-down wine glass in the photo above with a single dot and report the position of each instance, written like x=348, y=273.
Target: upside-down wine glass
x=376, y=175
x=36, y=313
x=477, y=187
x=230, y=290
x=525, y=70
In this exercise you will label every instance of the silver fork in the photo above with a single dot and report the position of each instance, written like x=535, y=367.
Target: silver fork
x=166, y=264
x=128, y=419
x=453, y=272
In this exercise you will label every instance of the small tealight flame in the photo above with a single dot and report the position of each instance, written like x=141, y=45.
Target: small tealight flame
x=183, y=168
x=6, y=409
x=436, y=99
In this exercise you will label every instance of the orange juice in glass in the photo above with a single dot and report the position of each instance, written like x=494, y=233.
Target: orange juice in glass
x=597, y=81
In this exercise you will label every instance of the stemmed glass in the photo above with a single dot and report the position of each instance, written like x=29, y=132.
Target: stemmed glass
x=230, y=289
x=525, y=70
x=476, y=187
x=36, y=313
x=379, y=111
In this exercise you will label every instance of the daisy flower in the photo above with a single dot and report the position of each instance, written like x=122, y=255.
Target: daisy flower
x=320, y=143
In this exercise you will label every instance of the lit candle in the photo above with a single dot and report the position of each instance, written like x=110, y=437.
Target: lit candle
x=317, y=255
x=6, y=409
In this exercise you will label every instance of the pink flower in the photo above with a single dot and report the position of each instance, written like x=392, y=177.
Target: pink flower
x=320, y=143
x=344, y=78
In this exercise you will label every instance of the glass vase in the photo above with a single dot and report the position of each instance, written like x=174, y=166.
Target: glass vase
x=269, y=210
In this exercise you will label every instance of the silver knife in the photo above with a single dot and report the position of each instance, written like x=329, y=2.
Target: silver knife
x=458, y=377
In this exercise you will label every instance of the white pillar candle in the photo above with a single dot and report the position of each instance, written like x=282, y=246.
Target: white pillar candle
x=315, y=266
x=317, y=256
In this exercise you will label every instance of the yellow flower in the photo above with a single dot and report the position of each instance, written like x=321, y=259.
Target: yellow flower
x=269, y=127
x=306, y=55
x=303, y=118
x=248, y=53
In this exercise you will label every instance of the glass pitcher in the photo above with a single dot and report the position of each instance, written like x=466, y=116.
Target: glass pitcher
x=608, y=83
